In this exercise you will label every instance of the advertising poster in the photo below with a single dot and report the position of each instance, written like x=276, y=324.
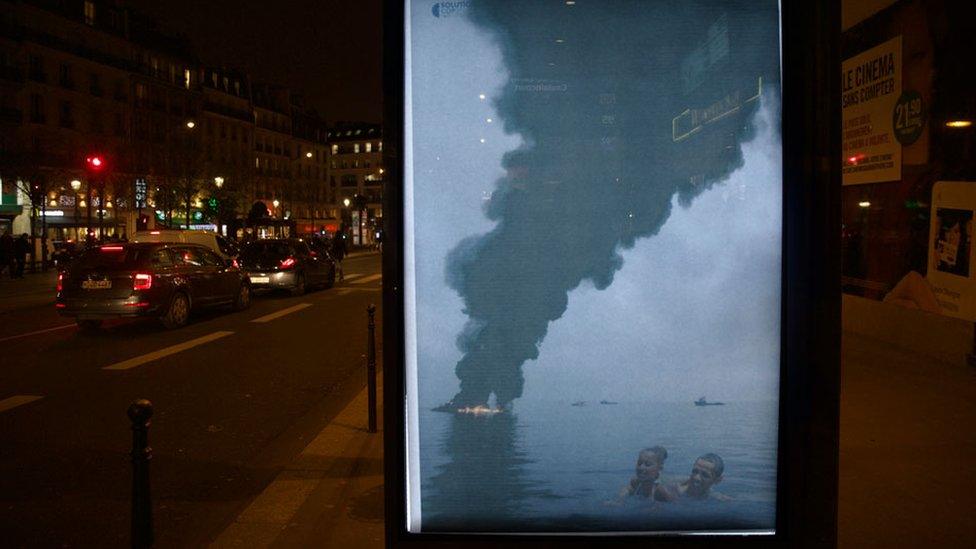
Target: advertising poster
x=950, y=272
x=593, y=220
x=871, y=88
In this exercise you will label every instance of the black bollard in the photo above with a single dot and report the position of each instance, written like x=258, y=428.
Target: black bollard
x=142, y=530
x=371, y=368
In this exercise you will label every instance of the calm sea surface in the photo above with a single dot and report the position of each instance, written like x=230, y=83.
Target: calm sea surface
x=550, y=466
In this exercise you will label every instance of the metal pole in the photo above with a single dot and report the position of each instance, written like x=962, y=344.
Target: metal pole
x=88, y=215
x=101, y=213
x=140, y=413
x=371, y=368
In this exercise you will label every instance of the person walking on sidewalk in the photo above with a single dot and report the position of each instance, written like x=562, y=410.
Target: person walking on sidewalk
x=21, y=247
x=339, y=251
x=7, y=253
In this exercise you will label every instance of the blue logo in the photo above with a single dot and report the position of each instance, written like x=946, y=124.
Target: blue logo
x=447, y=9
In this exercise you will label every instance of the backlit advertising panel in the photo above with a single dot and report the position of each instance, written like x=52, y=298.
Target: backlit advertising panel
x=592, y=267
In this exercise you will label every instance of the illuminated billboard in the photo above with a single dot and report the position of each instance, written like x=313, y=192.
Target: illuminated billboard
x=592, y=266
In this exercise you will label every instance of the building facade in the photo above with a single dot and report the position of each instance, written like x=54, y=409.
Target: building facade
x=356, y=177
x=186, y=145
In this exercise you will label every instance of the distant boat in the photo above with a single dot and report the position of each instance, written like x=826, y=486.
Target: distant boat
x=702, y=402
x=579, y=403
x=606, y=402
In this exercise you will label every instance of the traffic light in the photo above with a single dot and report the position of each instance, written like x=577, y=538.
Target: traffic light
x=95, y=163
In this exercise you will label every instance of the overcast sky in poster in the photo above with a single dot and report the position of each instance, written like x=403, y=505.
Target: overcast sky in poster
x=695, y=309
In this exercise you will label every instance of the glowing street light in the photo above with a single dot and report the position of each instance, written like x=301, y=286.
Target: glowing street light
x=959, y=123
x=275, y=203
x=219, y=181
x=75, y=184
x=190, y=124
x=345, y=202
x=308, y=154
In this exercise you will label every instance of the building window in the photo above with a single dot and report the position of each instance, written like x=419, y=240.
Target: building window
x=67, y=115
x=89, y=13
x=186, y=78
x=37, y=108
x=65, y=76
x=36, y=63
x=95, y=85
x=369, y=147
x=355, y=148
x=379, y=146
x=335, y=150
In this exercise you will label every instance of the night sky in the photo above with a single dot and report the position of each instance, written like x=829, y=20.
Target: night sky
x=328, y=51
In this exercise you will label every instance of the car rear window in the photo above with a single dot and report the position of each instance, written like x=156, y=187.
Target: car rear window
x=111, y=258
x=258, y=250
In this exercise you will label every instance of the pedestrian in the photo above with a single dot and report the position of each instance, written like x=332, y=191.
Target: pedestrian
x=339, y=251
x=7, y=253
x=21, y=247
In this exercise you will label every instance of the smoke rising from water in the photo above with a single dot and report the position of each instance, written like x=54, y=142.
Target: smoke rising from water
x=599, y=169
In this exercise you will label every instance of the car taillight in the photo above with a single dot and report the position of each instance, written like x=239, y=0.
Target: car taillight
x=111, y=248
x=235, y=264
x=288, y=263
x=142, y=281
x=60, y=282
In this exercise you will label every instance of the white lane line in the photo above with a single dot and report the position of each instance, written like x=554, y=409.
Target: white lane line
x=281, y=313
x=46, y=330
x=171, y=350
x=351, y=276
x=369, y=279
x=17, y=400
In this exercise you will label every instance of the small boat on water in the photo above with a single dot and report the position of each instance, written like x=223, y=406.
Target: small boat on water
x=579, y=403
x=607, y=402
x=702, y=402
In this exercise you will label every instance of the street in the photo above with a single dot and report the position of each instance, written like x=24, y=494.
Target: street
x=236, y=396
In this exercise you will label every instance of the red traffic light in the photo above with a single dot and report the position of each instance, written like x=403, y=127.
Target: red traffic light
x=95, y=163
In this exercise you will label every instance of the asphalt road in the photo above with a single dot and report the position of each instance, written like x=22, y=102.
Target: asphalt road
x=230, y=411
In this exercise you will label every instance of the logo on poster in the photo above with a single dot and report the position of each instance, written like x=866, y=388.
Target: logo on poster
x=447, y=9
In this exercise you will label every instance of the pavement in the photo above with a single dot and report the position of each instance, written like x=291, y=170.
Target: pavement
x=330, y=495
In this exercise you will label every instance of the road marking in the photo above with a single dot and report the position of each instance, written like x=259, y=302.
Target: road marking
x=281, y=313
x=17, y=400
x=369, y=279
x=28, y=334
x=351, y=276
x=172, y=350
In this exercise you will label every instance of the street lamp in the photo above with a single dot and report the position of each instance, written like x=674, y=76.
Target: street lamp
x=190, y=124
x=308, y=154
x=219, y=181
x=345, y=202
x=75, y=184
x=275, y=203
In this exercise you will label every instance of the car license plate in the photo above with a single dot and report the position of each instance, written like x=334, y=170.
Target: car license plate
x=96, y=284
x=260, y=279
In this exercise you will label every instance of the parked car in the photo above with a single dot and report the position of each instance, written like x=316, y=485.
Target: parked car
x=286, y=264
x=224, y=247
x=161, y=280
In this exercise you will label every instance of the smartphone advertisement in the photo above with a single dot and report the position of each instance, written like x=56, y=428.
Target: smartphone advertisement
x=593, y=259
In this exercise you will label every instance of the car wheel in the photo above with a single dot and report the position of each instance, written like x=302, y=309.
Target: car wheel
x=243, y=298
x=178, y=312
x=89, y=325
x=299, y=288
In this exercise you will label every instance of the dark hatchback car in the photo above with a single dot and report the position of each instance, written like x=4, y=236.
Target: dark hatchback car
x=149, y=279
x=286, y=264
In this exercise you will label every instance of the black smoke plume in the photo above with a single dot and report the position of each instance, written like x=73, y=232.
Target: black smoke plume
x=594, y=91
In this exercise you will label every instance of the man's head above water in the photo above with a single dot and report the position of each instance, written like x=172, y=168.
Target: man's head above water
x=705, y=473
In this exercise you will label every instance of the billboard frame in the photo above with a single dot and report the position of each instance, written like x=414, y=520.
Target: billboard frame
x=809, y=400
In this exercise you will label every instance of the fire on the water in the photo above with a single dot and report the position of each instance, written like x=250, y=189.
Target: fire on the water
x=480, y=410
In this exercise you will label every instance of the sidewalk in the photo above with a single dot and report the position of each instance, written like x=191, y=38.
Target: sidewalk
x=331, y=495
x=33, y=290
x=907, y=448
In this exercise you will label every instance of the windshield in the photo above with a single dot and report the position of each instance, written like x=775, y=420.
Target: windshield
x=113, y=258
x=265, y=250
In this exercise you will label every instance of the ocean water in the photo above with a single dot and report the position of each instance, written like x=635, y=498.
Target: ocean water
x=551, y=466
